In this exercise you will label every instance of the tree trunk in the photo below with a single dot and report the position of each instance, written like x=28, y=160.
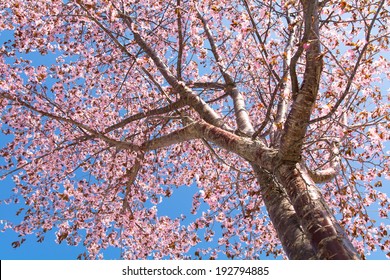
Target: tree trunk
x=291, y=196
x=295, y=243
x=305, y=225
x=324, y=232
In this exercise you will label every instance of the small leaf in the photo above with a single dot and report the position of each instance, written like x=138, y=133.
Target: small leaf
x=62, y=236
x=15, y=244
x=19, y=211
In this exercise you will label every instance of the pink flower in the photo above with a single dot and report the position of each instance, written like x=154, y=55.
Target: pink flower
x=306, y=46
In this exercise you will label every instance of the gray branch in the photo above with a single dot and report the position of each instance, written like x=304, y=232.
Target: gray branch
x=242, y=118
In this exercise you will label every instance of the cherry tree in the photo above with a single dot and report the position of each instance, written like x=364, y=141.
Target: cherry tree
x=273, y=112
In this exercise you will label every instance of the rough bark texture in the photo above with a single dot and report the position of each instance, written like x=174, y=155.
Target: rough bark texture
x=303, y=101
x=148, y=91
x=326, y=235
x=285, y=220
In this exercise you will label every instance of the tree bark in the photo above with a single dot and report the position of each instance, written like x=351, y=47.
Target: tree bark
x=324, y=232
x=327, y=238
x=295, y=243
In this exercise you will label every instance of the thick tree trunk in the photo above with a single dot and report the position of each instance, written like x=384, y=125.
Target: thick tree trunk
x=305, y=225
x=295, y=243
x=327, y=237
x=305, y=206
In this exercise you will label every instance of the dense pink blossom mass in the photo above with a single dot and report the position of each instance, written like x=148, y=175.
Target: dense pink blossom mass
x=276, y=114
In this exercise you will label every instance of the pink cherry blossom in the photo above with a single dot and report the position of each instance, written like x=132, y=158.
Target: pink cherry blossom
x=271, y=117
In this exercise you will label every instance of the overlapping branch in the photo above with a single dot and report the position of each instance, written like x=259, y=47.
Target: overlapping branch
x=201, y=107
x=242, y=118
x=351, y=77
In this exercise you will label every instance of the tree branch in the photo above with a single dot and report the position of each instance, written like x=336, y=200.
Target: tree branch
x=180, y=42
x=242, y=118
x=328, y=174
x=186, y=133
x=173, y=106
x=357, y=65
x=298, y=119
x=207, y=85
x=251, y=150
x=131, y=175
x=201, y=107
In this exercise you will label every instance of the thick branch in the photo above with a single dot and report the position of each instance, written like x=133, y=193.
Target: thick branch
x=323, y=176
x=299, y=116
x=207, y=85
x=187, y=133
x=242, y=118
x=201, y=107
x=131, y=175
x=251, y=150
x=293, y=70
x=281, y=113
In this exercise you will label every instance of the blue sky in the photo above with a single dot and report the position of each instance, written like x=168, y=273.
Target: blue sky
x=182, y=199
x=49, y=249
